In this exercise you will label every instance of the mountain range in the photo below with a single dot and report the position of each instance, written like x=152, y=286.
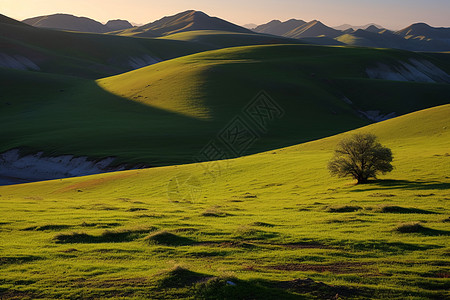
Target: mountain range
x=345, y=27
x=190, y=20
x=416, y=37
x=73, y=23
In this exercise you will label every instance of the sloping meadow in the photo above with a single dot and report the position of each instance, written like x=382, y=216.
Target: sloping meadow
x=265, y=226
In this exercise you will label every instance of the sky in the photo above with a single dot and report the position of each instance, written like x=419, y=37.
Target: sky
x=393, y=14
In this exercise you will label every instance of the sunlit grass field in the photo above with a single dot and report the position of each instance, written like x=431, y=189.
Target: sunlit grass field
x=273, y=225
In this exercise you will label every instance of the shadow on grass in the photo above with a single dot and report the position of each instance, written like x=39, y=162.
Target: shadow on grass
x=181, y=277
x=168, y=239
x=18, y=259
x=106, y=237
x=393, y=209
x=384, y=246
x=418, y=228
x=387, y=184
x=47, y=228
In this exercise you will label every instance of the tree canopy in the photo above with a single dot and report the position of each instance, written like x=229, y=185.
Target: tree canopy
x=362, y=157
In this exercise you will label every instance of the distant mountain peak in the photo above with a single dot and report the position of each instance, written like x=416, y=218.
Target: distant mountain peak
x=118, y=24
x=276, y=27
x=421, y=25
x=373, y=28
x=62, y=21
x=189, y=20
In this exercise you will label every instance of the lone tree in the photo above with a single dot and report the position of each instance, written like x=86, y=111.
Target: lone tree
x=361, y=157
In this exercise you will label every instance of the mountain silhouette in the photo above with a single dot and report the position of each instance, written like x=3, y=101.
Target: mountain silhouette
x=7, y=20
x=298, y=29
x=425, y=31
x=276, y=27
x=73, y=23
x=313, y=29
x=186, y=21
x=114, y=25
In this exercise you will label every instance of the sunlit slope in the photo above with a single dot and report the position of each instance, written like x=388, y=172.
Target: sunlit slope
x=420, y=141
x=225, y=39
x=270, y=218
x=293, y=74
x=167, y=113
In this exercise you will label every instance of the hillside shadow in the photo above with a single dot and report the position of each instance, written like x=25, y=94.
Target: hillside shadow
x=390, y=184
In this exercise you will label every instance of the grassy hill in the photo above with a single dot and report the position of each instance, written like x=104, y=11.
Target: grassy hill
x=100, y=55
x=225, y=39
x=266, y=226
x=83, y=54
x=145, y=115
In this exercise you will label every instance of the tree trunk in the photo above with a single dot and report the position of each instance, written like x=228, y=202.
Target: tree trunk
x=362, y=180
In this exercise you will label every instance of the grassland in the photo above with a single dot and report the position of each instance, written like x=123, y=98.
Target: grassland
x=268, y=226
x=84, y=54
x=225, y=39
x=145, y=115
x=95, y=56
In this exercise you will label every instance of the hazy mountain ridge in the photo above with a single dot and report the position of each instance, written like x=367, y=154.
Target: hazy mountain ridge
x=190, y=20
x=74, y=23
x=313, y=29
x=416, y=37
x=345, y=27
x=276, y=27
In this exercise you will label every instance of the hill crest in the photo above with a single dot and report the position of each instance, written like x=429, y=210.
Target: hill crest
x=70, y=22
x=189, y=20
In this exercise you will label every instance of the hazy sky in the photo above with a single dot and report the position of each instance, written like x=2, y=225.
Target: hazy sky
x=393, y=14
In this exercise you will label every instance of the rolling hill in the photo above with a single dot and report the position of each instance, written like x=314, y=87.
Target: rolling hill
x=258, y=227
x=98, y=55
x=225, y=135
x=143, y=116
x=190, y=20
x=73, y=23
x=224, y=39
x=82, y=54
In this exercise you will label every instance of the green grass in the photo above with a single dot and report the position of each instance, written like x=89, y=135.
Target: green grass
x=275, y=228
x=166, y=113
x=224, y=39
x=91, y=55
x=84, y=54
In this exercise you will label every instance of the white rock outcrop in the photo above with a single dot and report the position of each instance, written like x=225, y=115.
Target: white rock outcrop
x=15, y=168
x=413, y=70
